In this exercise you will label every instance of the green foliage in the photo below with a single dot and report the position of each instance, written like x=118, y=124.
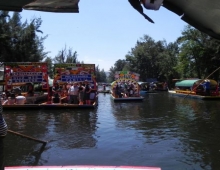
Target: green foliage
x=100, y=75
x=193, y=55
x=66, y=56
x=199, y=54
x=153, y=59
x=19, y=42
x=49, y=62
x=120, y=65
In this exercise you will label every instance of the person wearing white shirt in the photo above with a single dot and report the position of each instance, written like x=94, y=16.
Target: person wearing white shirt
x=73, y=93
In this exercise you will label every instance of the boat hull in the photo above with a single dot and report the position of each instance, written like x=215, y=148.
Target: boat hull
x=194, y=96
x=143, y=91
x=51, y=106
x=127, y=99
x=47, y=106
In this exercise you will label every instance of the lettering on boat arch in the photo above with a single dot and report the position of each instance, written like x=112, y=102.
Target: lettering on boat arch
x=126, y=77
x=72, y=72
x=25, y=72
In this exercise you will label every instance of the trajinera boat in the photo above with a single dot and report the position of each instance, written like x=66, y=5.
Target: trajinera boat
x=152, y=87
x=126, y=87
x=196, y=88
x=146, y=87
x=27, y=85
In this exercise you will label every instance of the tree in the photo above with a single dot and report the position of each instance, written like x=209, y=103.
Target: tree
x=118, y=66
x=20, y=42
x=144, y=58
x=199, y=54
x=100, y=75
x=5, y=40
x=66, y=56
x=49, y=62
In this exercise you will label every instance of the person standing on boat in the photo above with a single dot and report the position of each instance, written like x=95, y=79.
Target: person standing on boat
x=73, y=93
x=3, y=133
x=56, y=91
x=117, y=90
x=30, y=92
x=104, y=87
x=206, y=86
x=87, y=92
x=56, y=88
x=81, y=93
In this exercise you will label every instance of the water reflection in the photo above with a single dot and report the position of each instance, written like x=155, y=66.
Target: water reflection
x=165, y=131
x=200, y=119
x=62, y=129
x=189, y=128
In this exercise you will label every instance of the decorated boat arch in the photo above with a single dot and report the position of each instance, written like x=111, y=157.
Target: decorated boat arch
x=126, y=77
x=19, y=74
x=20, y=79
x=126, y=87
x=72, y=72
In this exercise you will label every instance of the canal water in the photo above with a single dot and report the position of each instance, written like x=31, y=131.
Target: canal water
x=163, y=131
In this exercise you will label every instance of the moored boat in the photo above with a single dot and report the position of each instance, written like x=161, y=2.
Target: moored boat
x=197, y=89
x=52, y=106
x=146, y=88
x=124, y=99
x=18, y=74
x=126, y=87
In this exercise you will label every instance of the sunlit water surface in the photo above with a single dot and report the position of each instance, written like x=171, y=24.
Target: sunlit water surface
x=164, y=131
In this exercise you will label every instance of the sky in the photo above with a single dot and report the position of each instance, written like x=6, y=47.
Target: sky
x=104, y=31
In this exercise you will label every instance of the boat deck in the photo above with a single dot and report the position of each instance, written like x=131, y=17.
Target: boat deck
x=48, y=106
x=124, y=99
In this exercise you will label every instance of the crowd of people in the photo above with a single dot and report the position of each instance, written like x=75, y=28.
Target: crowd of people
x=15, y=95
x=125, y=89
x=73, y=93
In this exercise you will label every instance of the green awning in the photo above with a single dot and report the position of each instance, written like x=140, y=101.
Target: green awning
x=186, y=83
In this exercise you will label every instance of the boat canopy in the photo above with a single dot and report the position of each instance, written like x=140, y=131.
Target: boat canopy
x=186, y=83
x=190, y=83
